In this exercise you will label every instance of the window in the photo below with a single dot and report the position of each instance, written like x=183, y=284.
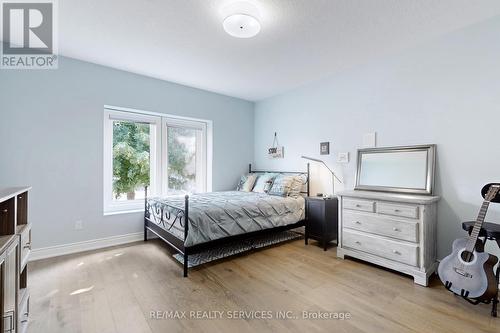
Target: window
x=185, y=156
x=166, y=153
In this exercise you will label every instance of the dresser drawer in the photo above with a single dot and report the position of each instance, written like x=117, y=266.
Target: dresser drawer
x=397, y=210
x=382, y=225
x=393, y=250
x=361, y=205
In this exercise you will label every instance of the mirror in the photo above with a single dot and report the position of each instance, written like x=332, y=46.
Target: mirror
x=396, y=169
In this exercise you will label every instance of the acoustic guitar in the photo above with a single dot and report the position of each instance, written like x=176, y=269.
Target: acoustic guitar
x=468, y=271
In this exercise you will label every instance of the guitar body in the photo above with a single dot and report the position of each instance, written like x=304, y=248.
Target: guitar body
x=474, y=279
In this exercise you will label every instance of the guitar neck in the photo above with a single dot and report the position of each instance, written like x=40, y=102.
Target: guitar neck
x=471, y=243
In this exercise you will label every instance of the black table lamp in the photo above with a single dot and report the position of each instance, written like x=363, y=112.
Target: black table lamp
x=334, y=176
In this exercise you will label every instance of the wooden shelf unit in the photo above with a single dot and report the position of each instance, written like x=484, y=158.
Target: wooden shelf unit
x=15, y=248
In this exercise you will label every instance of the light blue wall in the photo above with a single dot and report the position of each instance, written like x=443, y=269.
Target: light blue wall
x=51, y=134
x=446, y=92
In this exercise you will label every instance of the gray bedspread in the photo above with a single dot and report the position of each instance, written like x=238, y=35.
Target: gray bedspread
x=220, y=214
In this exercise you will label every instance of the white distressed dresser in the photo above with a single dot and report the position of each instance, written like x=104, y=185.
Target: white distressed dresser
x=397, y=231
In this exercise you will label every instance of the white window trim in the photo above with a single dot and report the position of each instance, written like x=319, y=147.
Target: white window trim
x=158, y=176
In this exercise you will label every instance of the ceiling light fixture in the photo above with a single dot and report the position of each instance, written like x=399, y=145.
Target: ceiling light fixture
x=241, y=25
x=241, y=19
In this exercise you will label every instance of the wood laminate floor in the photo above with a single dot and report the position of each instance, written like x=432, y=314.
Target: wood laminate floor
x=117, y=289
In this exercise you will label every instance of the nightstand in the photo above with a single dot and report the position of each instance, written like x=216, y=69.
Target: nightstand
x=322, y=220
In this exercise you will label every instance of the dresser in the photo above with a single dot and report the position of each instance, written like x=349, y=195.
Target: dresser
x=396, y=231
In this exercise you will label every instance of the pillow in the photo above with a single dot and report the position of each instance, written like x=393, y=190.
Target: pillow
x=297, y=185
x=264, y=182
x=246, y=183
x=281, y=185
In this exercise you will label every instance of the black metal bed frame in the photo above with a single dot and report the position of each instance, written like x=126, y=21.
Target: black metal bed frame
x=157, y=220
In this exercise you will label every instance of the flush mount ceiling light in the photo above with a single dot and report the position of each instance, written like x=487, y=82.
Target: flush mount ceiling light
x=241, y=19
x=241, y=25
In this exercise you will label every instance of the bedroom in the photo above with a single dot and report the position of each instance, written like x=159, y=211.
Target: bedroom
x=195, y=105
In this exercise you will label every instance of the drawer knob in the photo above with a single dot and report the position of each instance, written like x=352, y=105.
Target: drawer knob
x=357, y=222
x=5, y=211
x=395, y=229
x=358, y=242
x=358, y=205
x=397, y=210
x=396, y=252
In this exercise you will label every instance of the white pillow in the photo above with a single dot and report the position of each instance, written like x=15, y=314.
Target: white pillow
x=299, y=181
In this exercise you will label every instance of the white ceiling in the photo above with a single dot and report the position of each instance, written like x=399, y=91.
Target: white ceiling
x=300, y=41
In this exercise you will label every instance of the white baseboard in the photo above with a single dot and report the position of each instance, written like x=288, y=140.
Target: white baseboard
x=60, y=250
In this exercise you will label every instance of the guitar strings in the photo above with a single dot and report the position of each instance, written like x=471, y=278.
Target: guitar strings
x=492, y=192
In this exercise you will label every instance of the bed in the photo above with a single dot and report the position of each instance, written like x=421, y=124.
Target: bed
x=191, y=224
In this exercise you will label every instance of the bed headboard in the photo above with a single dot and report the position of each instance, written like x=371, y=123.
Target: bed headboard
x=305, y=190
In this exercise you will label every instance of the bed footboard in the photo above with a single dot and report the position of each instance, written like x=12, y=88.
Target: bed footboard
x=161, y=218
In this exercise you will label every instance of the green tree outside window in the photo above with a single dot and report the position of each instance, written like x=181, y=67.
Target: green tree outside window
x=131, y=158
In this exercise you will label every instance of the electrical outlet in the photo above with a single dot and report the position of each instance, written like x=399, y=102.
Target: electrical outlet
x=79, y=225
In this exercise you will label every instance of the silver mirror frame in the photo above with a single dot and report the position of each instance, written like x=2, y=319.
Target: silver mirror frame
x=431, y=162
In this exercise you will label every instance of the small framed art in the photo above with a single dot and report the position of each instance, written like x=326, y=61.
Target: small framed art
x=324, y=148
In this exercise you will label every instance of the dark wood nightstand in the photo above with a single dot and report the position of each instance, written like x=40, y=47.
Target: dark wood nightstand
x=322, y=220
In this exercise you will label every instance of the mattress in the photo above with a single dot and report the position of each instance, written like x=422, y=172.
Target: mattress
x=218, y=215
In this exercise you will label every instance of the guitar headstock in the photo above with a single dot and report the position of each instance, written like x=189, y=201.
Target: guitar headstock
x=492, y=192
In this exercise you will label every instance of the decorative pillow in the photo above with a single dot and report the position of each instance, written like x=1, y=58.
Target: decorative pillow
x=264, y=182
x=246, y=183
x=281, y=185
x=297, y=185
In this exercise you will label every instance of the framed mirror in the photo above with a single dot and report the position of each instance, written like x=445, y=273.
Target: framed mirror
x=397, y=169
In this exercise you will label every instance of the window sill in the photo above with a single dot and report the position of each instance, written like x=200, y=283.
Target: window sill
x=120, y=212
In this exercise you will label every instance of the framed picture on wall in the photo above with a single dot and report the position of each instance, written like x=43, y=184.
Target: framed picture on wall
x=276, y=152
x=324, y=148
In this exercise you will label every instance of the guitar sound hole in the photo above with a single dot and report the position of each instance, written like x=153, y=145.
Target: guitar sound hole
x=467, y=256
